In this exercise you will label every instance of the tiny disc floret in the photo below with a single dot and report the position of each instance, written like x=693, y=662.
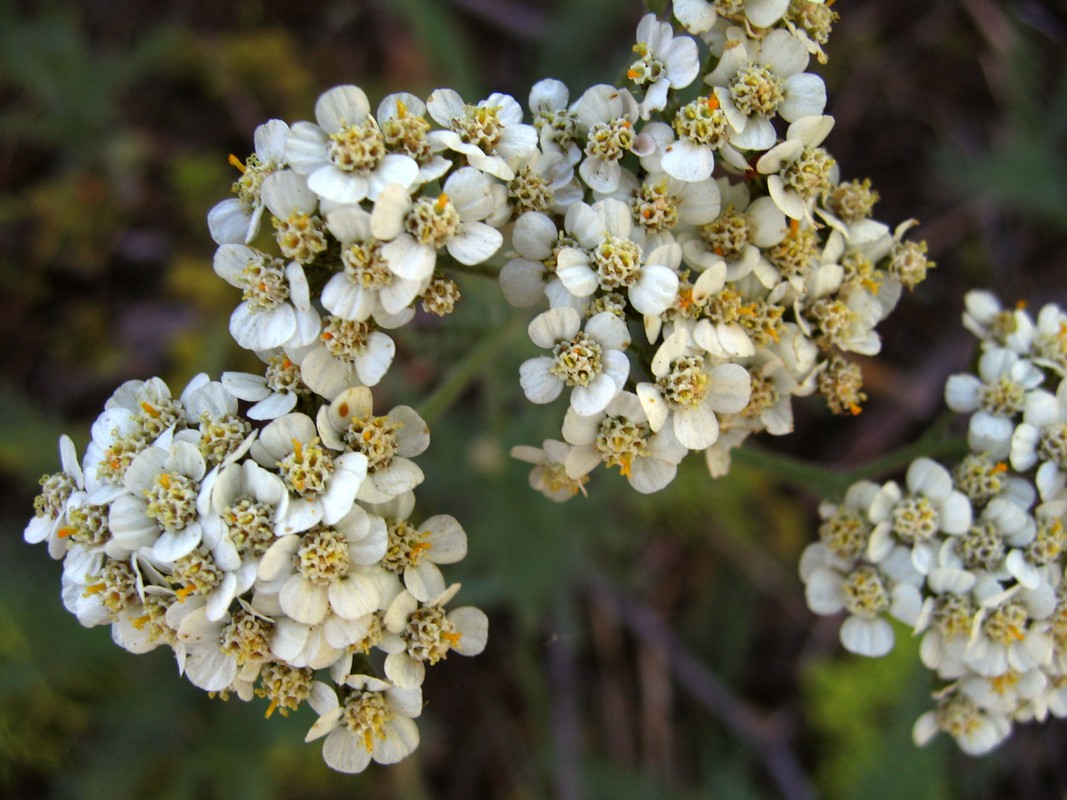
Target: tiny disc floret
x=365, y=265
x=809, y=175
x=345, y=338
x=323, y=558
x=357, y=148
x=952, y=616
x=982, y=546
x=374, y=437
x=755, y=89
x=1049, y=542
x=728, y=235
x=852, y=201
x=246, y=638
x=196, y=574
x=686, y=384
x=979, y=477
x=845, y=533
x=300, y=237
x=407, y=546
x=1053, y=444
x=577, y=361
x=283, y=376
x=306, y=470
x=365, y=714
x=433, y=222
x=618, y=262
x=1006, y=625
x=480, y=125
x=286, y=687
x=610, y=140
x=865, y=593
x=264, y=282
x=222, y=436
x=1003, y=397
x=529, y=191
x=117, y=586
x=87, y=525
x=171, y=500
x=251, y=526
x=915, y=519
x=56, y=489
x=620, y=441
x=653, y=207
x=703, y=122
x=430, y=634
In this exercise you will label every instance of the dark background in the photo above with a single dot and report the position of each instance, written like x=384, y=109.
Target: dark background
x=640, y=647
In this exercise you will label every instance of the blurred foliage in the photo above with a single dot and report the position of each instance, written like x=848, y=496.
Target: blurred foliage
x=864, y=710
x=1023, y=169
x=116, y=122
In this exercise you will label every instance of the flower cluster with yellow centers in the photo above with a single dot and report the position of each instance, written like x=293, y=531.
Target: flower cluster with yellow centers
x=273, y=556
x=972, y=559
x=717, y=230
x=699, y=261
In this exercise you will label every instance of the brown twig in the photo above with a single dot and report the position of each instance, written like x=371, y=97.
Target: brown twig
x=765, y=734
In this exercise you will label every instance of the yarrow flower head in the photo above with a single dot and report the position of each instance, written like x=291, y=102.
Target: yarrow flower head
x=975, y=567
x=247, y=551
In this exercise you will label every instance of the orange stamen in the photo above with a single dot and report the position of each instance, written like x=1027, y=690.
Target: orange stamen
x=236, y=162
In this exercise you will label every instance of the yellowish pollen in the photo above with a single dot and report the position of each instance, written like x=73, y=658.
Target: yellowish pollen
x=270, y=709
x=95, y=588
x=401, y=109
x=1000, y=466
x=343, y=409
x=442, y=201
x=151, y=410
x=626, y=461
x=854, y=409
x=632, y=74
x=184, y=592
x=141, y=621
x=794, y=227
x=1020, y=305
x=236, y=162
x=871, y=285
x=298, y=450
x=452, y=638
x=712, y=101
x=64, y=532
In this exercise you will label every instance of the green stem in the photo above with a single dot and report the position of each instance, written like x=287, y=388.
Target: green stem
x=818, y=480
x=486, y=270
x=475, y=362
x=832, y=483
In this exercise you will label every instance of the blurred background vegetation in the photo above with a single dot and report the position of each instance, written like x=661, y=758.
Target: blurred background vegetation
x=640, y=647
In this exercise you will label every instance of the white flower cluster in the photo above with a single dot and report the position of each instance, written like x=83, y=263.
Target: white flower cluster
x=702, y=260
x=265, y=556
x=973, y=560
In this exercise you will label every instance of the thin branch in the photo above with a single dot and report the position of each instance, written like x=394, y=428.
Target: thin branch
x=765, y=734
x=566, y=726
x=462, y=374
x=935, y=443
